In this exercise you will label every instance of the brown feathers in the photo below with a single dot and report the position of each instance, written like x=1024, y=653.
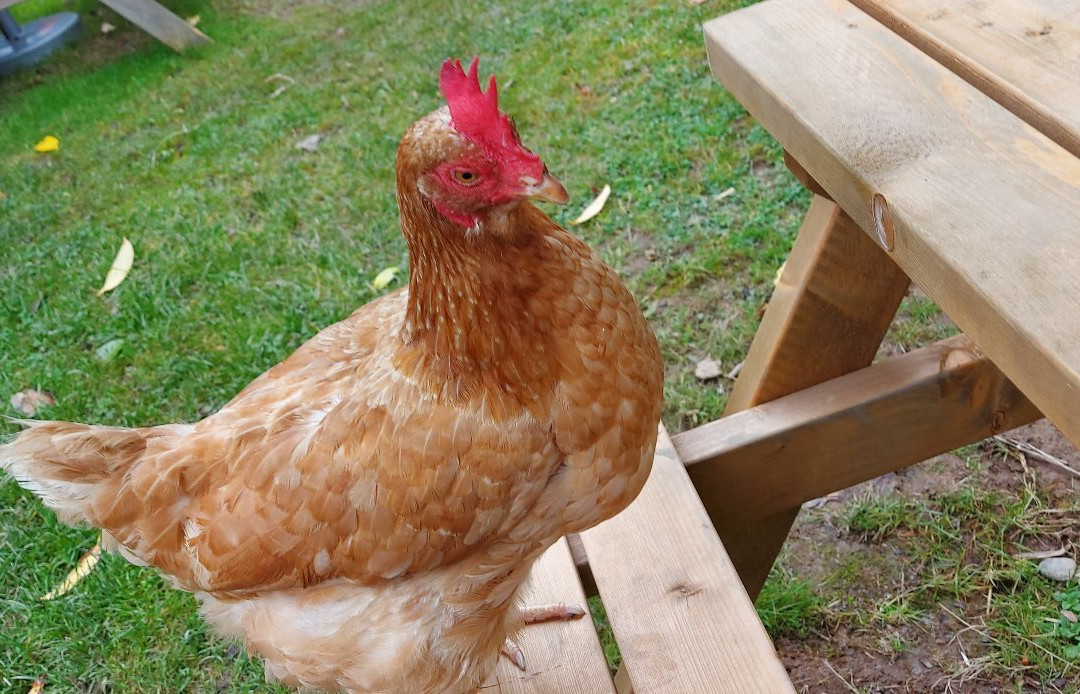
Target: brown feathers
x=364, y=512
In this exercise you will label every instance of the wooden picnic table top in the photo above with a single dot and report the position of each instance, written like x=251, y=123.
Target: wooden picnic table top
x=978, y=203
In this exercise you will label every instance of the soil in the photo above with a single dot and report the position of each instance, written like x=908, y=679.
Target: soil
x=839, y=658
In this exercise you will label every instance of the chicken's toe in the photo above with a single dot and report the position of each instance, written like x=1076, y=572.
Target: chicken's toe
x=513, y=651
x=550, y=613
x=541, y=613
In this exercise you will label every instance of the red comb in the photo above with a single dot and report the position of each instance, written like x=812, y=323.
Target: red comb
x=475, y=114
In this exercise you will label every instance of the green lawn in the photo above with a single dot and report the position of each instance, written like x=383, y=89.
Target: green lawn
x=246, y=245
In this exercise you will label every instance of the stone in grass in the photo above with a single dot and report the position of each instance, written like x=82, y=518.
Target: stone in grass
x=1057, y=568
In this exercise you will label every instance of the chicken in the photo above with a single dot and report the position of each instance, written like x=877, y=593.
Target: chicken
x=364, y=513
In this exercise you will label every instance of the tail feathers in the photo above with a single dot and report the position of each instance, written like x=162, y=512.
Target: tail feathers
x=67, y=464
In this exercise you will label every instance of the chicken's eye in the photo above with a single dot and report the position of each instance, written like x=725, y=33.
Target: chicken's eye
x=465, y=177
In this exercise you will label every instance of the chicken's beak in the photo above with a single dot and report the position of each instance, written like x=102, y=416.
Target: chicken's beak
x=548, y=189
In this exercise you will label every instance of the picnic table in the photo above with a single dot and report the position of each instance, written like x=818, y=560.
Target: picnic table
x=153, y=18
x=941, y=141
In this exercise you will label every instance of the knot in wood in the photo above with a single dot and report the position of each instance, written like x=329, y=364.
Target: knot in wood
x=883, y=226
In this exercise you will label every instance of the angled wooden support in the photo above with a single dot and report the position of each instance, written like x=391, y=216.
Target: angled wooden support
x=827, y=316
x=159, y=22
x=775, y=456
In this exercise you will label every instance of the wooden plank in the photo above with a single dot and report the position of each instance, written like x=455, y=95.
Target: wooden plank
x=159, y=22
x=559, y=656
x=851, y=429
x=827, y=316
x=677, y=608
x=983, y=209
x=1025, y=55
x=828, y=313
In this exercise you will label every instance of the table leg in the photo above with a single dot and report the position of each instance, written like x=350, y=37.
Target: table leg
x=828, y=314
x=159, y=22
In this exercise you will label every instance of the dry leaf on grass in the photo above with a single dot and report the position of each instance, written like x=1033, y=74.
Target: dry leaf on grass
x=384, y=278
x=726, y=193
x=120, y=268
x=86, y=564
x=779, y=273
x=1043, y=554
x=707, y=369
x=194, y=20
x=47, y=144
x=310, y=143
x=29, y=401
x=594, y=207
x=107, y=28
x=38, y=686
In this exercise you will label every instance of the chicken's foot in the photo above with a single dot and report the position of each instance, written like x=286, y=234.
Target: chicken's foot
x=541, y=613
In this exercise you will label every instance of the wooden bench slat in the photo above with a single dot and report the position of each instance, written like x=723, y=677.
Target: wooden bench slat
x=1024, y=54
x=678, y=610
x=984, y=210
x=559, y=656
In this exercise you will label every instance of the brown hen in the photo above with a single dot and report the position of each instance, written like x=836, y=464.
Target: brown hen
x=364, y=513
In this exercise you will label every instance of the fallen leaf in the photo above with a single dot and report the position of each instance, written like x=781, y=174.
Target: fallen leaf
x=120, y=267
x=278, y=77
x=29, y=401
x=109, y=350
x=594, y=207
x=310, y=143
x=384, y=278
x=1043, y=554
x=194, y=20
x=107, y=28
x=707, y=369
x=1069, y=615
x=3, y=195
x=779, y=273
x=47, y=144
x=38, y=686
x=724, y=194
x=86, y=564
x=735, y=370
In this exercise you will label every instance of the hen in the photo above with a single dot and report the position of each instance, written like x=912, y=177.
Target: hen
x=364, y=513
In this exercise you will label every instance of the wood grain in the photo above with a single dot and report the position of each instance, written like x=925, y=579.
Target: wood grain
x=984, y=208
x=1025, y=55
x=827, y=316
x=677, y=608
x=159, y=22
x=828, y=313
x=850, y=429
x=559, y=656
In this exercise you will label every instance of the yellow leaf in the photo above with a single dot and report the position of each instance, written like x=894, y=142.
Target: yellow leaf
x=120, y=268
x=86, y=564
x=594, y=207
x=779, y=273
x=385, y=277
x=38, y=686
x=47, y=144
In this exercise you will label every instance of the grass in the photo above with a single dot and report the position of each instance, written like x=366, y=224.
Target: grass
x=956, y=556
x=246, y=245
